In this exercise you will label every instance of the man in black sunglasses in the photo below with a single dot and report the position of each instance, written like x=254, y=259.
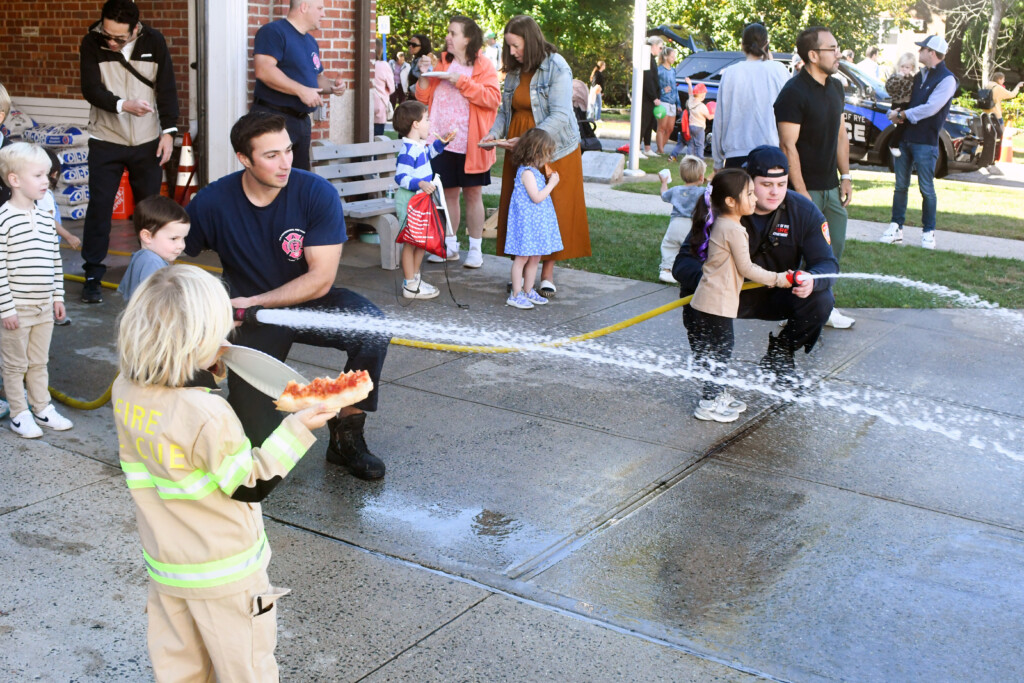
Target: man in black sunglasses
x=128, y=78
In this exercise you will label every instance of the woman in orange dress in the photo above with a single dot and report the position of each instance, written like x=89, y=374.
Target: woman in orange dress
x=538, y=93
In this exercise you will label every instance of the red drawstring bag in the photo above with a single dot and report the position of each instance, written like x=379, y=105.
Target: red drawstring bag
x=684, y=124
x=424, y=227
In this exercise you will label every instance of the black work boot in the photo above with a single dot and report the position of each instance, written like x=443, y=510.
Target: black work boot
x=347, y=447
x=779, y=361
x=92, y=293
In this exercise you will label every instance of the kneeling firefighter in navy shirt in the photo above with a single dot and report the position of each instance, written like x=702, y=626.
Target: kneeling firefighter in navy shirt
x=787, y=232
x=279, y=234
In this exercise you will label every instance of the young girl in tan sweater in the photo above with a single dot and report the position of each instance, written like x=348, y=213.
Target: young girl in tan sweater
x=721, y=242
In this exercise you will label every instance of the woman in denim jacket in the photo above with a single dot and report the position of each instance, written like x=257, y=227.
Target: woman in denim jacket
x=538, y=93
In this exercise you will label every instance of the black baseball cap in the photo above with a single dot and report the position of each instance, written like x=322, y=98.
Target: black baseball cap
x=763, y=159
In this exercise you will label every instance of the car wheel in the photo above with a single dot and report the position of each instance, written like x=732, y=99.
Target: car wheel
x=942, y=166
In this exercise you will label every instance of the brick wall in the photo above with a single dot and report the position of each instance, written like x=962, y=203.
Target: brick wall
x=336, y=38
x=46, y=65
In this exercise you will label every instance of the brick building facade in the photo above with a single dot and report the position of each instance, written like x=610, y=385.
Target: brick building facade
x=39, y=45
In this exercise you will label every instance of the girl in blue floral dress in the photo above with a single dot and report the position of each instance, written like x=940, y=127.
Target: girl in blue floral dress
x=532, y=229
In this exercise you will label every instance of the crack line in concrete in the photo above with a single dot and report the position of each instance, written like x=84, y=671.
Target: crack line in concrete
x=518, y=590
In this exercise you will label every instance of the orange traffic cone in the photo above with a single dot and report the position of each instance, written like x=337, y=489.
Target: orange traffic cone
x=124, y=203
x=187, y=184
x=1006, y=152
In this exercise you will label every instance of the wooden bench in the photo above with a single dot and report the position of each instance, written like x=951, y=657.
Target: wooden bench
x=363, y=173
x=45, y=110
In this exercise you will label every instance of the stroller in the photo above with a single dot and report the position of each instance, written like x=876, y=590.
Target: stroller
x=588, y=130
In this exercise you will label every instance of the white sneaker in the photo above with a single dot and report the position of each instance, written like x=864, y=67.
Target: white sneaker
x=641, y=155
x=895, y=152
x=474, y=259
x=839, y=321
x=666, y=276
x=892, y=235
x=518, y=301
x=652, y=154
x=733, y=403
x=452, y=246
x=434, y=258
x=52, y=419
x=716, y=410
x=418, y=289
x=928, y=240
x=24, y=426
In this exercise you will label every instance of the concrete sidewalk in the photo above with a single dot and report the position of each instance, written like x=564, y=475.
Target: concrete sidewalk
x=551, y=519
x=601, y=196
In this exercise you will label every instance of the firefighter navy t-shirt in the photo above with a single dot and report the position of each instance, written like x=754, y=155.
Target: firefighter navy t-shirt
x=298, y=57
x=261, y=248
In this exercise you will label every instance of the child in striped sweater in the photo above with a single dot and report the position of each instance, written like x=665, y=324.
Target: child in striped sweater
x=414, y=174
x=31, y=290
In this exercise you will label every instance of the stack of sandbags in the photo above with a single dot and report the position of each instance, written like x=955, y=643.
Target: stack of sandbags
x=70, y=144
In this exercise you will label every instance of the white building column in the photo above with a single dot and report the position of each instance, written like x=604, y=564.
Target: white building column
x=224, y=58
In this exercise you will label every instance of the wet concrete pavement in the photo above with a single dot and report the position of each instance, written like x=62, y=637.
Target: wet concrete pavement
x=545, y=518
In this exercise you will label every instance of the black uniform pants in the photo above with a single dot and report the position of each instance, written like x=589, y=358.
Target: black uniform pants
x=647, y=121
x=107, y=162
x=805, y=317
x=365, y=351
x=300, y=130
x=712, y=341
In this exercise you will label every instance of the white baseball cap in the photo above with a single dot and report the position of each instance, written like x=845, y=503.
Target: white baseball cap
x=936, y=43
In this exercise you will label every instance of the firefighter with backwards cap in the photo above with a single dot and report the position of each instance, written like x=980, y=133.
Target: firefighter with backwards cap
x=787, y=232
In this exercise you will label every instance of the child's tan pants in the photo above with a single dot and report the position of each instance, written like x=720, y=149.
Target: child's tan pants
x=226, y=639
x=24, y=353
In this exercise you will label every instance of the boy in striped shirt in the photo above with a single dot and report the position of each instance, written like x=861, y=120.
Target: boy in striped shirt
x=31, y=289
x=414, y=174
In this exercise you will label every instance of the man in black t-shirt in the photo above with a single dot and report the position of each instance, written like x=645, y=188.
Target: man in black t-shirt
x=812, y=133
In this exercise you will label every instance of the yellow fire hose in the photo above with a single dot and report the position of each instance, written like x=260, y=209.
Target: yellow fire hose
x=454, y=348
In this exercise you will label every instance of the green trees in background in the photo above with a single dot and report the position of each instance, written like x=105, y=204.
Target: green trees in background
x=588, y=30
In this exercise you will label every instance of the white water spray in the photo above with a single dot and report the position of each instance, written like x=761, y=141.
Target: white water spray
x=888, y=407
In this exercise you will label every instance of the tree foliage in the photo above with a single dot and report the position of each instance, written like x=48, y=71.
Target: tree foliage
x=991, y=34
x=588, y=30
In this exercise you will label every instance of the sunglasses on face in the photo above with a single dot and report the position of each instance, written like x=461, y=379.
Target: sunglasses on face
x=412, y=44
x=119, y=40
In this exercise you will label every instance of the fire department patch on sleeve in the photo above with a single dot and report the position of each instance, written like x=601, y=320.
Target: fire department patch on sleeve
x=824, y=232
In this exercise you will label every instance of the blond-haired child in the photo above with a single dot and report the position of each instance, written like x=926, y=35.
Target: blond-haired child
x=683, y=199
x=197, y=481
x=31, y=290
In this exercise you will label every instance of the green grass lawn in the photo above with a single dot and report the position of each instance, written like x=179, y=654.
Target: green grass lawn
x=628, y=245
x=970, y=208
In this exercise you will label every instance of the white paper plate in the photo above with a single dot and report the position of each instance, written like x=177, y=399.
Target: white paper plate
x=433, y=74
x=263, y=372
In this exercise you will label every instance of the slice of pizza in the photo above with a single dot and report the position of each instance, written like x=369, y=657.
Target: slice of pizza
x=349, y=388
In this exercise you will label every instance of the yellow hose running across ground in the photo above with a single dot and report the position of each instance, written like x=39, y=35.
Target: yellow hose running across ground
x=454, y=348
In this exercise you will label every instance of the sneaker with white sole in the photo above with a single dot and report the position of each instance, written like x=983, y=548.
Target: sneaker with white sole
x=452, y=246
x=519, y=301
x=418, y=289
x=434, y=258
x=716, y=409
x=536, y=298
x=24, y=426
x=51, y=419
x=666, y=276
x=5, y=409
x=652, y=154
x=892, y=235
x=839, y=321
x=733, y=403
x=928, y=240
x=474, y=259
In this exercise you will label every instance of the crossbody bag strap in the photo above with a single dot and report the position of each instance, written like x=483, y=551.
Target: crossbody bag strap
x=135, y=72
